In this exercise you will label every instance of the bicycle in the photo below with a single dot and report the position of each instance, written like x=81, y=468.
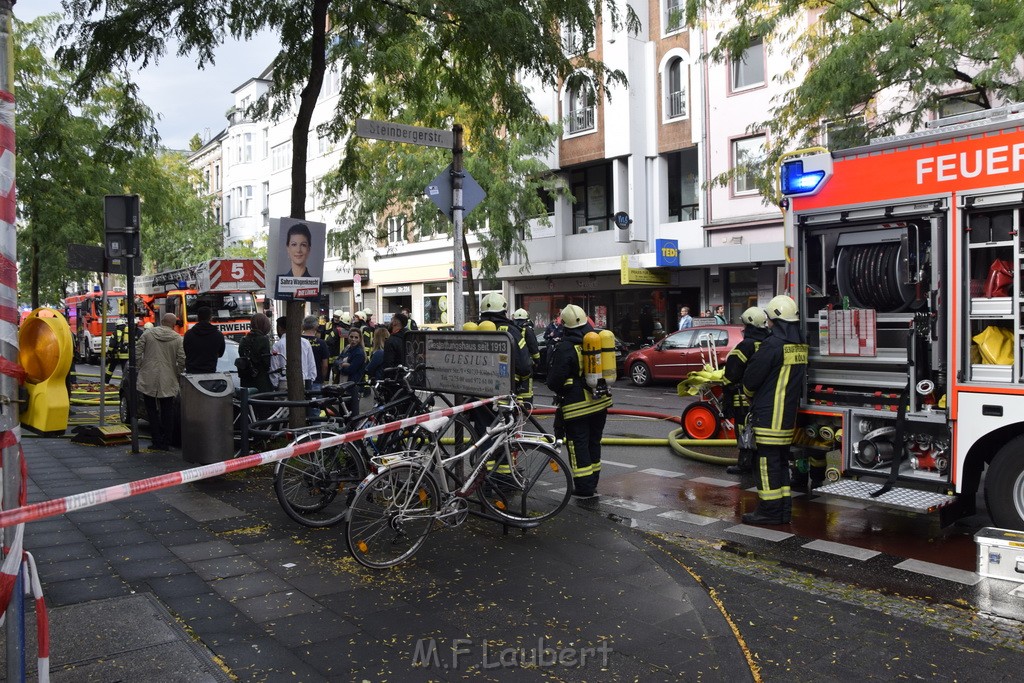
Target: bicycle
x=307, y=486
x=518, y=478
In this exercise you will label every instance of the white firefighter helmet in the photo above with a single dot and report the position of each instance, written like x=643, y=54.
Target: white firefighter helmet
x=520, y=314
x=754, y=316
x=573, y=316
x=346, y=317
x=360, y=315
x=367, y=313
x=493, y=303
x=783, y=307
x=337, y=313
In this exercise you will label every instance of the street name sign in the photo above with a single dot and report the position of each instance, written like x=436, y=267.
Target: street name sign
x=399, y=132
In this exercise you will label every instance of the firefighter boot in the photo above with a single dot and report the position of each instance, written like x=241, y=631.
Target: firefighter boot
x=787, y=509
x=768, y=513
x=744, y=463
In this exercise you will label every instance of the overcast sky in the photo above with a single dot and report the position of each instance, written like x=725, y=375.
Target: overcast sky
x=188, y=100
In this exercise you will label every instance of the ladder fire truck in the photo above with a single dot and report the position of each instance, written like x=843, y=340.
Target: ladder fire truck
x=228, y=286
x=84, y=313
x=906, y=265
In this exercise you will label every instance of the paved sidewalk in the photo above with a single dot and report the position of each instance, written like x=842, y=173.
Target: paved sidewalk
x=211, y=580
x=274, y=601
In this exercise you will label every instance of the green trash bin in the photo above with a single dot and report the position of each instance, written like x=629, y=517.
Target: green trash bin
x=206, y=416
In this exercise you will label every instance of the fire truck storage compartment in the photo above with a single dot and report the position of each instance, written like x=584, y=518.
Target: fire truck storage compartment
x=884, y=263
x=925, y=455
x=991, y=267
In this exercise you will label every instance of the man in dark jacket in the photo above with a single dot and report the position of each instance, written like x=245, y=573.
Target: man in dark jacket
x=394, y=347
x=582, y=412
x=774, y=380
x=755, y=331
x=204, y=343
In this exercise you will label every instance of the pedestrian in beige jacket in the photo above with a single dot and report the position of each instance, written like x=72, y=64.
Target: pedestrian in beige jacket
x=161, y=357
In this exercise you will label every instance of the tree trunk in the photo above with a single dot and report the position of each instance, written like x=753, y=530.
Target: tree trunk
x=300, y=142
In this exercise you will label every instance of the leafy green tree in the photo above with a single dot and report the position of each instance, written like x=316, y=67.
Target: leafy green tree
x=72, y=150
x=470, y=50
x=893, y=61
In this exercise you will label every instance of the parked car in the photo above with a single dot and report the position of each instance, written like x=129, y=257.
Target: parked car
x=541, y=368
x=680, y=353
x=225, y=363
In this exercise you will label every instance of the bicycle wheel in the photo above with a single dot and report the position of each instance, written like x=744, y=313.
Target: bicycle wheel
x=528, y=482
x=313, y=489
x=390, y=516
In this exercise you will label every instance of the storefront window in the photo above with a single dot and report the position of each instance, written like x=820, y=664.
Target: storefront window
x=742, y=293
x=435, y=303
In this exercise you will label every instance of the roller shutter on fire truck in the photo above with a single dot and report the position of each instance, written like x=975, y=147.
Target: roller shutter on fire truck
x=907, y=269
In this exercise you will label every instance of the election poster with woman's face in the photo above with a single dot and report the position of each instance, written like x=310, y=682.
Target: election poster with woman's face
x=295, y=258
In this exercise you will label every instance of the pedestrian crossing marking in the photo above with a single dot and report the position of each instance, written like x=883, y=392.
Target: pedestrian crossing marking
x=759, y=532
x=661, y=473
x=688, y=517
x=618, y=464
x=631, y=505
x=842, y=550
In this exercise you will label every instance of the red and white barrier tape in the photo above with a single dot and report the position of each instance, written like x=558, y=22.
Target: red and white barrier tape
x=59, y=506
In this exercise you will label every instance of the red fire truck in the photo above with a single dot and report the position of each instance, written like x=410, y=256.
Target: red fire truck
x=906, y=260
x=228, y=286
x=84, y=313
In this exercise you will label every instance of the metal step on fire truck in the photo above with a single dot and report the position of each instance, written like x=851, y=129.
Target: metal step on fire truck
x=907, y=264
x=227, y=285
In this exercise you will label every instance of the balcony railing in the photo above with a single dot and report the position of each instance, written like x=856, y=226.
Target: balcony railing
x=687, y=212
x=581, y=120
x=676, y=105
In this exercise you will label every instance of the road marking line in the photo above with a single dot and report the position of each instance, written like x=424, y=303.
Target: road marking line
x=724, y=483
x=841, y=549
x=759, y=532
x=631, y=505
x=941, y=572
x=617, y=464
x=661, y=473
x=688, y=517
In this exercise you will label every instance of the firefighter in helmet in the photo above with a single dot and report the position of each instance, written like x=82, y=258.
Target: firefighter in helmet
x=773, y=381
x=755, y=331
x=494, y=309
x=522, y=318
x=582, y=413
x=117, y=354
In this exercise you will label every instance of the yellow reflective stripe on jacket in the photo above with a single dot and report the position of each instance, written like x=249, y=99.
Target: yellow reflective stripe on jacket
x=774, y=437
x=587, y=406
x=739, y=354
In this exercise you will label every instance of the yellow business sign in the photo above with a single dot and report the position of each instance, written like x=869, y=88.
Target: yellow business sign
x=641, y=276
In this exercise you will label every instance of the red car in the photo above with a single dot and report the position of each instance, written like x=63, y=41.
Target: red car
x=680, y=353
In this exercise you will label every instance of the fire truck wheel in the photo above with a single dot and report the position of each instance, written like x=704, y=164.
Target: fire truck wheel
x=1004, y=486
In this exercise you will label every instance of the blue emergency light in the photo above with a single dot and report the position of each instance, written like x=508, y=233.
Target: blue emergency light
x=805, y=175
x=182, y=284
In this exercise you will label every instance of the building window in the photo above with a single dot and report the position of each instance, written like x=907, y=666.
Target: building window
x=217, y=214
x=683, y=185
x=216, y=176
x=592, y=195
x=581, y=105
x=237, y=193
x=961, y=103
x=396, y=229
x=206, y=180
x=844, y=133
x=266, y=143
x=548, y=198
x=248, y=201
x=676, y=91
x=746, y=153
x=435, y=303
x=281, y=156
x=748, y=70
x=574, y=42
x=266, y=204
x=673, y=15
x=247, y=145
